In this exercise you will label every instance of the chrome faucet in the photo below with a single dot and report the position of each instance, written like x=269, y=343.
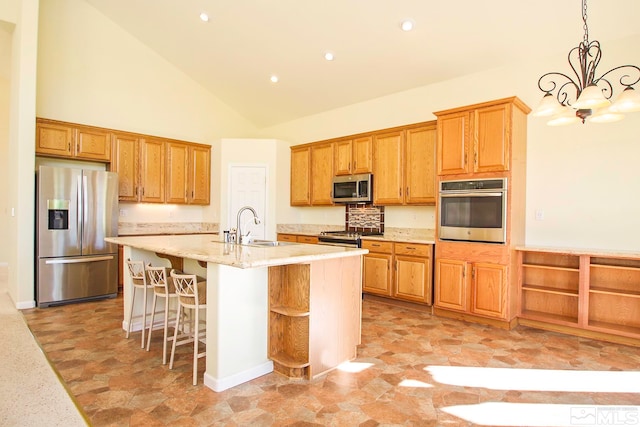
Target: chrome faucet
x=240, y=238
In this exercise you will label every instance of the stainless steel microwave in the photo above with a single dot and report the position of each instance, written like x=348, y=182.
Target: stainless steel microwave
x=473, y=210
x=352, y=188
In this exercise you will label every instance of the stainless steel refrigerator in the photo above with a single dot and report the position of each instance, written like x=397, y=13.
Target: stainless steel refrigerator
x=75, y=210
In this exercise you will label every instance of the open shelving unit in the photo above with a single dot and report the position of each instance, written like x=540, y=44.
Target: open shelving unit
x=614, y=295
x=289, y=292
x=550, y=287
x=586, y=293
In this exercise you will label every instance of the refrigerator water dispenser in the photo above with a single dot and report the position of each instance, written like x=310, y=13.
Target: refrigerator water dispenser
x=58, y=214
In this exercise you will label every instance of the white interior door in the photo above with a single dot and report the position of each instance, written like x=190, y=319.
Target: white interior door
x=248, y=187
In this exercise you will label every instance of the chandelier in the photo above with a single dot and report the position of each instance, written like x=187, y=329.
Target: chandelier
x=570, y=100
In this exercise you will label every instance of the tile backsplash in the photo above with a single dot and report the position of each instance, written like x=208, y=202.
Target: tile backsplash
x=364, y=218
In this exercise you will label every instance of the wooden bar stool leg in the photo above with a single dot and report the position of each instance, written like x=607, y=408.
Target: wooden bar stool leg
x=153, y=312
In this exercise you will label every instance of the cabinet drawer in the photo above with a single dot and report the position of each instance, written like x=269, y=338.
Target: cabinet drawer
x=413, y=249
x=378, y=246
x=287, y=238
x=308, y=239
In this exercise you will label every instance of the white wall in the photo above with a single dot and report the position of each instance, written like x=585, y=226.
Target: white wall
x=91, y=71
x=6, y=40
x=584, y=177
x=20, y=195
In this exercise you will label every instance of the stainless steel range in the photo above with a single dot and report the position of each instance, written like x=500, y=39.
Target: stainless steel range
x=351, y=239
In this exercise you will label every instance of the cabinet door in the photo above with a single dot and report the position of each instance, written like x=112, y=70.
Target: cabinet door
x=387, y=168
x=321, y=174
x=342, y=151
x=413, y=279
x=54, y=139
x=377, y=274
x=199, y=175
x=93, y=144
x=125, y=162
x=451, y=287
x=489, y=295
x=300, y=173
x=362, y=156
x=420, y=174
x=453, y=143
x=491, y=139
x=152, y=165
x=177, y=172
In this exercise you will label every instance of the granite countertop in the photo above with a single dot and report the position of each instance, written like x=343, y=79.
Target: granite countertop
x=202, y=247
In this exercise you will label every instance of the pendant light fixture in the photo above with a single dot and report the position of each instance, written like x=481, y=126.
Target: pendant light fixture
x=585, y=96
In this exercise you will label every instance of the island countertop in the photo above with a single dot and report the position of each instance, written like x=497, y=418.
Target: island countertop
x=210, y=248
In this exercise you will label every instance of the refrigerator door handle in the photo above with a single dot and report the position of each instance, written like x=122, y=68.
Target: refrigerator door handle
x=80, y=211
x=79, y=260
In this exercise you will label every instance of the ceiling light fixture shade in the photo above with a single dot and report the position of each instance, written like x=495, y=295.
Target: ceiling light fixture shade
x=549, y=106
x=606, y=115
x=566, y=117
x=627, y=102
x=585, y=93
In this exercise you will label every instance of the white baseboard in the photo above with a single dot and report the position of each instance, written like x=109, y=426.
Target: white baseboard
x=23, y=305
x=222, y=384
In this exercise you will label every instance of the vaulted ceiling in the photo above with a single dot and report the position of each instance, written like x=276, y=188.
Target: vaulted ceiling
x=245, y=42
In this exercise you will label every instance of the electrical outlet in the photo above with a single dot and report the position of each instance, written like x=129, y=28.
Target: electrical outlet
x=123, y=212
x=539, y=215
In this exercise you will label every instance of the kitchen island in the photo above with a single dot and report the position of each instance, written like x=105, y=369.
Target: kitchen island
x=293, y=308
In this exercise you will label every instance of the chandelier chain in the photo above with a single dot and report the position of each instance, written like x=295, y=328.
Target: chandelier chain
x=584, y=19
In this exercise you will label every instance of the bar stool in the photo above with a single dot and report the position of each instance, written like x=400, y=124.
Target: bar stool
x=139, y=282
x=192, y=294
x=163, y=287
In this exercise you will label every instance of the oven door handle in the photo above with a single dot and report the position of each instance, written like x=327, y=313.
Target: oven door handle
x=478, y=194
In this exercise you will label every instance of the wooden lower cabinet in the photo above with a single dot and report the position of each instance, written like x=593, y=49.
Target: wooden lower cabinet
x=472, y=281
x=589, y=294
x=451, y=284
x=477, y=288
x=299, y=238
x=314, y=315
x=398, y=270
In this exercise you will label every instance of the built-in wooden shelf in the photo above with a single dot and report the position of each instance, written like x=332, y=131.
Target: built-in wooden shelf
x=589, y=293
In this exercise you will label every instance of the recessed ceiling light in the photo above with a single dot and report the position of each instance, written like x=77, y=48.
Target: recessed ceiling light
x=274, y=79
x=328, y=56
x=204, y=17
x=407, y=25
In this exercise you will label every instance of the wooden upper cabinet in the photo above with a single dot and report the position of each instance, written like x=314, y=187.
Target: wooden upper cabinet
x=343, y=151
x=478, y=138
x=321, y=174
x=199, y=175
x=491, y=138
x=420, y=174
x=300, y=176
x=152, y=166
x=177, y=172
x=453, y=143
x=54, y=139
x=363, y=154
x=188, y=173
x=387, y=168
x=61, y=139
x=125, y=162
x=93, y=144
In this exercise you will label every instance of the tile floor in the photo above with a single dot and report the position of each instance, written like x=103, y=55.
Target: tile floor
x=412, y=369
